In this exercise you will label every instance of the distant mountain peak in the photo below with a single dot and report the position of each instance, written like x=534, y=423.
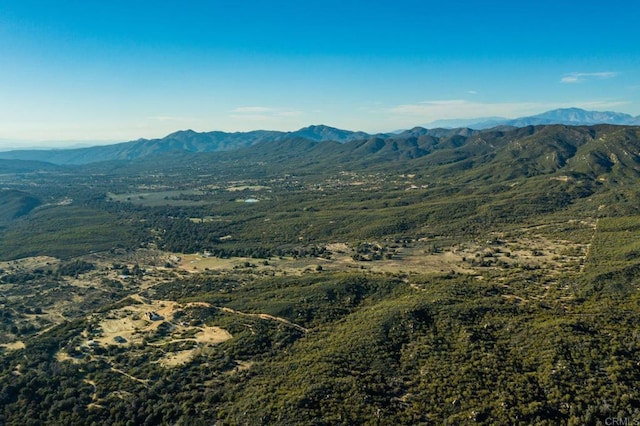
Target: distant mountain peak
x=181, y=132
x=570, y=116
x=321, y=132
x=318, y=127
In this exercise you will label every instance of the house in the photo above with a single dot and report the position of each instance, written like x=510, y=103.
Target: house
x=120, y=339
x=154, y=316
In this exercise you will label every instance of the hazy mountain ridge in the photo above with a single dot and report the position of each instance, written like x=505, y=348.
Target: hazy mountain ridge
x=216, y=141
x=21, y=166
x=569, y=116
x=191, y=141
x=494, y=154
x=184, y=141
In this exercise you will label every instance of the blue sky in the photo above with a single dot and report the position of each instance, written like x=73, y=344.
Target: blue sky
x=120, y=70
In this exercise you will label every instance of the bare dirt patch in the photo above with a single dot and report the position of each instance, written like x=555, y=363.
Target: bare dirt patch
x=14, y=346
x=133, y=323
x=416, y=261
x=418, y=257
x=62, y=356
x=212, y=335
x=199, y=263
x=175, y=359
x=208, y=336
x=151, y=323
x=28, y=263
x=338, y=247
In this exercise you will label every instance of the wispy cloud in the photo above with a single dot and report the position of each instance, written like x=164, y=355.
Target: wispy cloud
x=579, y=77
x=472, y=92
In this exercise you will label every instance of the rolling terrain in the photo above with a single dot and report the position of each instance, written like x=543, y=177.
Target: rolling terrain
x=325, y=277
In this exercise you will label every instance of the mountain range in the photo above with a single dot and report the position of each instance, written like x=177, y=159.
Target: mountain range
x=569, y=116
x=189, y=141
x=584, y=156
x=180, y=141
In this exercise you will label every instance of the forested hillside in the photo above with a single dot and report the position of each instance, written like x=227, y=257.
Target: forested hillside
x=458, y=277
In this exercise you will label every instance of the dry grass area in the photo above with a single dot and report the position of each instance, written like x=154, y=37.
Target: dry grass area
x=415, y=260
x=135, y=322
x=132, y=327
x=28, y=264
x=138, y=322
x=406, y=260
x=208, y=335
x=175, y=359
x=212, y=335
x=126, y=327
x=62, y=356
x=338, y=247
x=13, y=346
x=198, y=263
x=532, y=251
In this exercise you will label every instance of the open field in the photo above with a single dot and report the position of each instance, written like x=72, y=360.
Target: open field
x=151, y=323
x=159, y=198
x=423, y=257
x=530, y=248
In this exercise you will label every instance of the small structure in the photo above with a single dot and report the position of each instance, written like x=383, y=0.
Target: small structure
x=154, y=316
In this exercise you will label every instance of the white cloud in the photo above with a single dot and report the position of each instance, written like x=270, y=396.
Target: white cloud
x=570, y=79
x=579, y=77
x=472, y=92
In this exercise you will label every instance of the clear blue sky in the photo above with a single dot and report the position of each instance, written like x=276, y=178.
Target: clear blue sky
x=121, y=70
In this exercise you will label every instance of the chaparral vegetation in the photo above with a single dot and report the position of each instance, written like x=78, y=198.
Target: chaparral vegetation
x=450, y=277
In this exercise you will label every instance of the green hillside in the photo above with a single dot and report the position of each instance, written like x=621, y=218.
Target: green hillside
x=15, y=204
x=453, y=277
